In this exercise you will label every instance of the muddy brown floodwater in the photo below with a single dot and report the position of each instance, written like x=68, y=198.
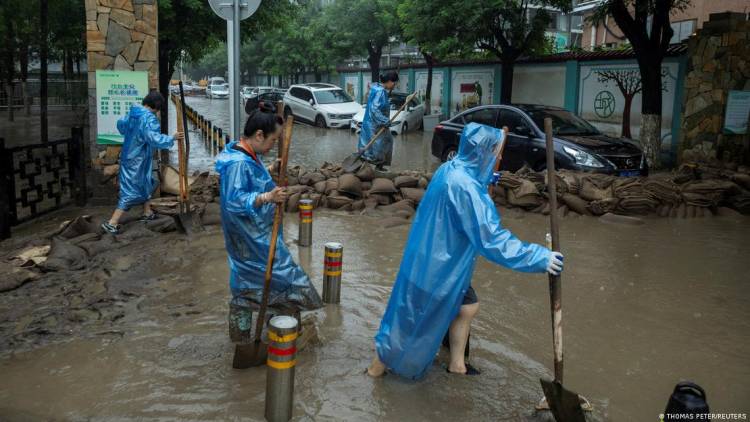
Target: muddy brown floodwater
x=644, y=307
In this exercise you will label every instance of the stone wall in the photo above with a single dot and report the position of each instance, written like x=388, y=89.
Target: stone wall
x=718, y=61
x=120, y=35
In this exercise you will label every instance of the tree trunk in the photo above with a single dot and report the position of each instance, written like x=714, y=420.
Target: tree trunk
x=428, y=90
x=506, y=79
x=626, y=115
x=44, y=34
x=373, y=59
x=651, y=96
x=164, y=76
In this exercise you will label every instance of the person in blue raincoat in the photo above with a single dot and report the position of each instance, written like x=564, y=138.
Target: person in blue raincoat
x=432, y=295
x=377, y=115
x=142, y=133
x=249, y=198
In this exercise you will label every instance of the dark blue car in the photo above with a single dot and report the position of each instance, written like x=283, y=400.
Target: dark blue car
x=578, y=144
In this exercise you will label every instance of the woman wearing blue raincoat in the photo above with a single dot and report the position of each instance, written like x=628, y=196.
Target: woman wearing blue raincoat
x=142, y=133
x=377, y=115
x=432, y=295
x=249, y=198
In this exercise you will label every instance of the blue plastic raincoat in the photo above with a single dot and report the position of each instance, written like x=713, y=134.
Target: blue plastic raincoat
x=247, y=235
x=142, y=133
x=377, y=114
x=455, y=221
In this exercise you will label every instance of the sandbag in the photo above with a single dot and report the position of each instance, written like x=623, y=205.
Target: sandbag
x=414, y=194
x=590, y=191
x=292, y=189
x=311, y=178
x=64, y=256
x=358, y=205
x=292, y=202
x=422, y=183
x=366, y=173
x=383, y=186
x=603, y=206
x=331, y=185
x=14, y=277
x=316, y=199
x=366, y=186
x=161, y=224
x=576, y=204
x=383, y=199
x=405, y=181
x=336, y=202
x=350, y=184
x=320, y=187
x=80, y=225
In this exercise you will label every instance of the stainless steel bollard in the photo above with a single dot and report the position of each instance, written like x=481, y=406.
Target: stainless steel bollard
x=305, y=222
x=282, y=357
x=332, y=272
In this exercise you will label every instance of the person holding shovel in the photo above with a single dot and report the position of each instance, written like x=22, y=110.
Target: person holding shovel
x=249, y=197
x=142, y=133
x=456, y=220
x=377, y=115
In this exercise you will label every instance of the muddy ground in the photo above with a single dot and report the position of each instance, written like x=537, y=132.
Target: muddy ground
x=142, y=332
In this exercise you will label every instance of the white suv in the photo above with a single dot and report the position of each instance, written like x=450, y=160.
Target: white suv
x=323, y=105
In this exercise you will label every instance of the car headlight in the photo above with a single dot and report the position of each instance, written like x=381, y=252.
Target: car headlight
x=583, y=158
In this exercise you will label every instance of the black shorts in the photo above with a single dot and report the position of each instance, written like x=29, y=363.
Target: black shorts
x=470, y=297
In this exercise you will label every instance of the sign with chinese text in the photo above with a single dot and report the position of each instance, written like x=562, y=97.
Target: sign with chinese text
x=738, y=110
x=116, y=91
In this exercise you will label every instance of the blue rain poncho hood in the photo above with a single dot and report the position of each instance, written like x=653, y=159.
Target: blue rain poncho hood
x=142, y=133
x=456, y=220
x=247, y=235
x=377, y=114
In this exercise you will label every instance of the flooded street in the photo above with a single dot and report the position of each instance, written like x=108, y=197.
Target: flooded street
x=644, y=307
x=311, y=146
x=639, y=317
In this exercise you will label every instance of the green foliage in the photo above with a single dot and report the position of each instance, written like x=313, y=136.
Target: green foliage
x=431, y=25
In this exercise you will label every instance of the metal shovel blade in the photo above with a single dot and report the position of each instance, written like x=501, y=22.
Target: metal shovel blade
x=246, y=355
x=352, y=163
x=564, y=404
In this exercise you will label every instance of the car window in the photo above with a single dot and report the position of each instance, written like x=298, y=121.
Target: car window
x=512, y=120
x=332, y=96
x=298, y=93
x=485, y=116
x=563, y=122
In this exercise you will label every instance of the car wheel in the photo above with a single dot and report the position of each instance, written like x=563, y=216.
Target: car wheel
x=449, y=154
x=320, y=121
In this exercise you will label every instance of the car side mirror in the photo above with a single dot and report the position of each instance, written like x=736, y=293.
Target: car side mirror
x=522, y=130
x=312, y=102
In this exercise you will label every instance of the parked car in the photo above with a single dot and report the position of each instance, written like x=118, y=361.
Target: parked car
x=409, y=118
x=246, y=92
x=323, y=105
x=273, y=97
x=220, y=90
x=254, y=91
x=578, y=144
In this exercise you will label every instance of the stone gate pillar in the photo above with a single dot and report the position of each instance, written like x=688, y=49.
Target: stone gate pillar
x=120, y=35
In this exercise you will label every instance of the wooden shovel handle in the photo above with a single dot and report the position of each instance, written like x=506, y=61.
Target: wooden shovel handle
x=387, y=125
x=555, y=288
x=277, y=217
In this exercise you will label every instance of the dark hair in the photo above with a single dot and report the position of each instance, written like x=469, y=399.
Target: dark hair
x=261, y=120
x=391, y=76
x=154, y=100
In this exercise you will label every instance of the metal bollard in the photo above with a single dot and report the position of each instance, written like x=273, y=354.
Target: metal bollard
x=305, y=222
x=282, y=357
x=332, y=272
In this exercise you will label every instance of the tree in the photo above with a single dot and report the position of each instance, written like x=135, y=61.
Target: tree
x=8, y=49
x=429, y=25
x=506, y=28
x=646, y=25
x=191, y=26
x=357, y=26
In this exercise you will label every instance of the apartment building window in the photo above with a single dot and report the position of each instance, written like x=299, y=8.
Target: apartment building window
x=682, y=30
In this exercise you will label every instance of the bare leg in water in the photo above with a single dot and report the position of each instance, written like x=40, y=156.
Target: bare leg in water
x=459, y=335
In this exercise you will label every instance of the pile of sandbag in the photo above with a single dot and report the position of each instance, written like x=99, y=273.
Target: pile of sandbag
x=367, y=189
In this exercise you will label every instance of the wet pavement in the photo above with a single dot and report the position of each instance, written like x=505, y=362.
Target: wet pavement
x=639, y=316
x=644, y=307
x=311, y=146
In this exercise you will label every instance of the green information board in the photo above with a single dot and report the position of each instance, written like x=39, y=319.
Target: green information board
x=116, y=91
x=736, y=116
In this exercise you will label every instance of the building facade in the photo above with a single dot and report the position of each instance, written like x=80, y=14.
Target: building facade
x=684, y=22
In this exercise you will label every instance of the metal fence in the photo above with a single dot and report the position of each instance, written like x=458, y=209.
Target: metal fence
x=36, y=179
x=59, y=92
